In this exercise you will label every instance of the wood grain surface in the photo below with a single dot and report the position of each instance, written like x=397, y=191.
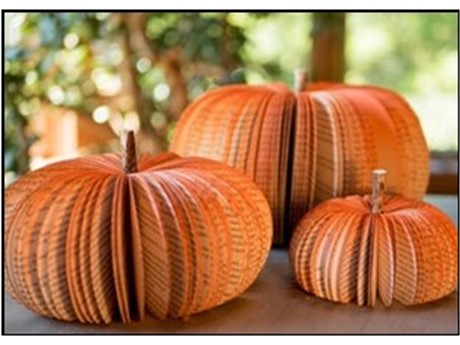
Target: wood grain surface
x=274, y=304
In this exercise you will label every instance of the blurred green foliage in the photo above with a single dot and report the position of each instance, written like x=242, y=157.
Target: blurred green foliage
x=153, y=64
x=412, y=52
x=415, y=54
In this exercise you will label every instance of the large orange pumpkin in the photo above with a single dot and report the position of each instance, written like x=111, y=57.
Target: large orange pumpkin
x=95, y=239
x=306, y=147
x=364, y=248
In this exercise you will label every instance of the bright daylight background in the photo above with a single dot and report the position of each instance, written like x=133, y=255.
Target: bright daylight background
x=74, y=80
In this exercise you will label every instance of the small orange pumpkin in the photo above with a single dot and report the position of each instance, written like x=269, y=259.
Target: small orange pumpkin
x=88, y=240
x=303, y=148
x=361, y=248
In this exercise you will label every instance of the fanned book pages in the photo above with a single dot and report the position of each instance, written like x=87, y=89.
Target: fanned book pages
x=367, y=248
x=105, y=237
x=306, y=147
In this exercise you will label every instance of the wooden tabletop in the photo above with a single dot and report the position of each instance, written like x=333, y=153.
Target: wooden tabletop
x=273, y=304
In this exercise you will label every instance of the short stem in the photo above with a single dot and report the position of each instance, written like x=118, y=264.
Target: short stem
x=378, y=189
x=130, y=158
x=300, y=80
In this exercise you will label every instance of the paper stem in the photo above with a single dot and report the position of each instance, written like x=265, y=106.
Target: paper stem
x=300, y=80
x=378, y=190
x=130, y=158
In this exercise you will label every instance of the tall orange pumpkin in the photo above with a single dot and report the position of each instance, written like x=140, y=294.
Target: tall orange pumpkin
x=305, y=147
x=95, y=239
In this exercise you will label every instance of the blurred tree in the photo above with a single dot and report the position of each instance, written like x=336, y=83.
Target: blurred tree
x=17, y=138
x=141, y=69
x=136, y=69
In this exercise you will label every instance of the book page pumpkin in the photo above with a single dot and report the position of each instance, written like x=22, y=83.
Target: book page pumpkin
x=103, y=237
x=306, y=147
x=364, y=248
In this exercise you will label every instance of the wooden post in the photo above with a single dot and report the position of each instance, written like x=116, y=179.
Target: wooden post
x=328, y=55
